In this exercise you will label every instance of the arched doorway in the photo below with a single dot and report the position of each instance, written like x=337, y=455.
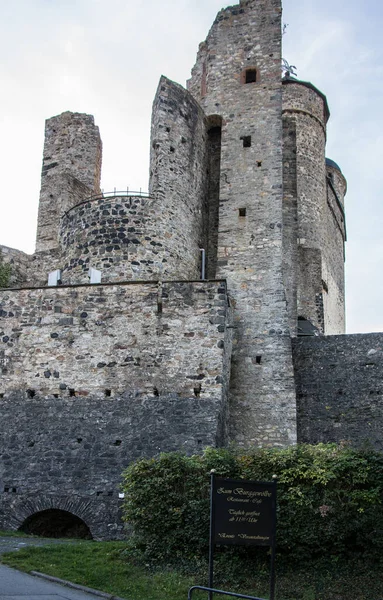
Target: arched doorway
x=55, y=523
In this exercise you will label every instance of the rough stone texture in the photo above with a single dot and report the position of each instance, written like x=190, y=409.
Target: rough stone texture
x=20, y=264
x=93, y=377
x=320, y=231
x=71, y=171
x=178, y=179
x=127, y=238
x=306, y=107
x=333, y=249
x=290, y=220
x=262, y=395
x=339, y=389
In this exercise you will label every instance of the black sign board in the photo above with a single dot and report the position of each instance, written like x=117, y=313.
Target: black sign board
x=244, y=512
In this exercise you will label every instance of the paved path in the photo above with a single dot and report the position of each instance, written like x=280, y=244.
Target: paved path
x=15, y=585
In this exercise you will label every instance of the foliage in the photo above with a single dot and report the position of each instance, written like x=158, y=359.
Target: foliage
x=5, y=272
x=329, y=501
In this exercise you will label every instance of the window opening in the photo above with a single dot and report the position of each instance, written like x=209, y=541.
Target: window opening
x=242, y=212
x=251, y=76
x=246, y=141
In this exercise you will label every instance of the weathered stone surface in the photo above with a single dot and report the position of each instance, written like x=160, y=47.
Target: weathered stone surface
x=339, y=389
x=319, y=261
x=93, y=377
x=71, y=171
x=262, y=404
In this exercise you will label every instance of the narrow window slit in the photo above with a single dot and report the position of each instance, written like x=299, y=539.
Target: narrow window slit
x=242, y=212
x=258, y=359
x=246, y=141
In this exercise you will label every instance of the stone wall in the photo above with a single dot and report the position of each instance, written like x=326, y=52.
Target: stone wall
x=20, y=264
x=71, y=171
x=321, y=227
x=237, y=77
x=339, y=389
x=290, y=220
x=93, y=377
x=334, y=253
x=127, y=238
x=308, y=108
x=178, y=175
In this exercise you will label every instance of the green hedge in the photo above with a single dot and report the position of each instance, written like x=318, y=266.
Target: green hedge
x=329, y=500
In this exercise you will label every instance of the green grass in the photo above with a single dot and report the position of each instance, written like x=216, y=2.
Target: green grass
x=97, y=565
x=14, y=534
x=110, y=567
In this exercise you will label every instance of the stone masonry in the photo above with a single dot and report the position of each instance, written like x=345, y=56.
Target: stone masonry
x=215, y=292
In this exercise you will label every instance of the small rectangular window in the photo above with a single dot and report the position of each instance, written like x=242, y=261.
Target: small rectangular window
x=242, y=212
x=251, y=76
x=246, y=141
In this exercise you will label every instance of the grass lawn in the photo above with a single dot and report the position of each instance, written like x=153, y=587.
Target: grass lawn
x=107, y=566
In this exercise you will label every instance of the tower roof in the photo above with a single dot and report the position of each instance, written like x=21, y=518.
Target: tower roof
x=307, y=84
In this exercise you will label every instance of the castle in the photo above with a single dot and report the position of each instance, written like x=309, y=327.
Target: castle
x=208, y=311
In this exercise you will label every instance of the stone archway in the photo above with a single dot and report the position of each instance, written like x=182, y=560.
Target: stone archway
x=56, y=523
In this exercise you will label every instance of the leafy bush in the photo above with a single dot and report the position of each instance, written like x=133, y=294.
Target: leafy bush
x=329, y=500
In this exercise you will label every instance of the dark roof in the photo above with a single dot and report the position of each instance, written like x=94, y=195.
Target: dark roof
x=331, y=163
x=307, y=84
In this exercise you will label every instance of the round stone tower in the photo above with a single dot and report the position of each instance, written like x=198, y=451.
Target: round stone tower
x=319, y=257
x=124, y=237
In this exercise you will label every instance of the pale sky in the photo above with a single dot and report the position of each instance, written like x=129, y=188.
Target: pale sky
x=105, y=58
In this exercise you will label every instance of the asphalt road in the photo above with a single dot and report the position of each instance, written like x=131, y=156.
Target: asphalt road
x=20, y=586
x=15, y=585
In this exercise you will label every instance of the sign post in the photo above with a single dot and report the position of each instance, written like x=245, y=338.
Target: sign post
x=242, y=513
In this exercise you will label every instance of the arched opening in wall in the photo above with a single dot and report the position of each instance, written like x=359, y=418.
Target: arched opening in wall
x=214, y=141
x=54, y=523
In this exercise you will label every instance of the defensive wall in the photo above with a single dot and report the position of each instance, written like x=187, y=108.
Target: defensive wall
x=94, y=377
x=339, y=382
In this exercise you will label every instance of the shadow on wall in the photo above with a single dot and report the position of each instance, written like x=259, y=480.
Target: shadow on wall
x=55, y=523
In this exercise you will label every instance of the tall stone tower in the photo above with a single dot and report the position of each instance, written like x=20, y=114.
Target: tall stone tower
x=237, y=82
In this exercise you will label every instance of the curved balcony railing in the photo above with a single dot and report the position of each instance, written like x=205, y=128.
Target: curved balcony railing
x=104, y=195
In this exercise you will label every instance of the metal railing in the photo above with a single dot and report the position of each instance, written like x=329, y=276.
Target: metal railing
x=214, y=591
x=104, y=195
